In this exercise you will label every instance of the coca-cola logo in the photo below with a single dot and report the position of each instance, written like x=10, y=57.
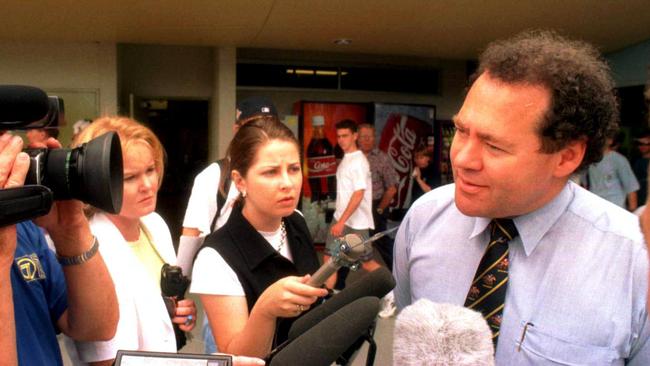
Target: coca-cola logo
x=399, y=138
x=322, y=166
x=401, y=145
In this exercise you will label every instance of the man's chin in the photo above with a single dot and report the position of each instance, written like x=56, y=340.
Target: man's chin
x=469, y=207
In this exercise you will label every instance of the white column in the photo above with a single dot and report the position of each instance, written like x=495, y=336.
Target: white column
x=222, y=113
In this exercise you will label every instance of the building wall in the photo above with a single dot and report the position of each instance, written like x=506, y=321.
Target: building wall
x=631, y=66
x=63, y=66
x=165, y=71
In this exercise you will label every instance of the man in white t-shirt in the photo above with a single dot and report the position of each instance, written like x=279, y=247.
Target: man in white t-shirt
x=199, y=219
x=353, y=195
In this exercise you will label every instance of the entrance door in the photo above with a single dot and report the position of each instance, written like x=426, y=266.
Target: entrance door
x=182, y=127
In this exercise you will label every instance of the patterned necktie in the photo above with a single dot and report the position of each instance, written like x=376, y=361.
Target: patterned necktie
x=488, y=291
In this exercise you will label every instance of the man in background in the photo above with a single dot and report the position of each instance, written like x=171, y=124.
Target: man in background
x=559, y=274
x=202, y=205
x=640, y=166
x=353, y=214
x=384, y=188
x=612, y=178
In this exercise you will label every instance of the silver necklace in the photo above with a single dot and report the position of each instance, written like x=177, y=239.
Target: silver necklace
x=283, y=236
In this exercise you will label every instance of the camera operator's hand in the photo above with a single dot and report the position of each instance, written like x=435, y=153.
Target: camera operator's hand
x=66, y=222
x=14, y=165
x=13, y=169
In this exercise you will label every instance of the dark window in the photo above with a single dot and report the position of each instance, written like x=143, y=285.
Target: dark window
x=401, y=80
x=286, y=76
x=422, y=81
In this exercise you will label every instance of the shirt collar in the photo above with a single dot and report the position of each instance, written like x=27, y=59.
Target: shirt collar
x=533, y=226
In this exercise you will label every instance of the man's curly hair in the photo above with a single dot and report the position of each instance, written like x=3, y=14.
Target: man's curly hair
x=583, y=102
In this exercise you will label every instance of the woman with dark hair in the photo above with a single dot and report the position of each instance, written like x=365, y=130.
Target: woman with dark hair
x=252, y=273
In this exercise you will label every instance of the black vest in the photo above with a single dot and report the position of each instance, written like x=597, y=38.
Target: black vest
x=257, y=264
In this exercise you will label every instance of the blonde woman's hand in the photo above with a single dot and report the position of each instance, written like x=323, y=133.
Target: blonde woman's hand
x=185, y=315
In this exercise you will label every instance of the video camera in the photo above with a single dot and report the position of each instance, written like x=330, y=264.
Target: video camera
x=91, y=172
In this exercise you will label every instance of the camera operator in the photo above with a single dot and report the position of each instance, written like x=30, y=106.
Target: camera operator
x=70, y=292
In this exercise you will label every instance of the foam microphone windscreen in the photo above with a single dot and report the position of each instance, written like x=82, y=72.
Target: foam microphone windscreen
x=22, y=104
x=325, y=342
x=428, y=333
x=376, y=283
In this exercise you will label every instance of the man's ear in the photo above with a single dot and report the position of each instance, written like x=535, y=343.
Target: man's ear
x=570, y=158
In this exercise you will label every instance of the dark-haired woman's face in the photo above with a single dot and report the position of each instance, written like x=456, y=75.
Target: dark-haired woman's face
x=273, y=181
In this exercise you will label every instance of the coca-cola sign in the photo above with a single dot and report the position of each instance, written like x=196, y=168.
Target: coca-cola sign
x=321, y=166
x=399, y=139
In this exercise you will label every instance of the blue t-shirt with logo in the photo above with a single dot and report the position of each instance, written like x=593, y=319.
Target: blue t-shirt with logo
x=40, y=298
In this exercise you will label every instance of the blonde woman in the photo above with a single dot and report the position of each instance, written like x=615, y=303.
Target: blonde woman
x=135, y=245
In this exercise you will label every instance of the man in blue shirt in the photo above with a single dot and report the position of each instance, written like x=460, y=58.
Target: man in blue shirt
x=538, y=110
x=43, y=294
x=612, y=178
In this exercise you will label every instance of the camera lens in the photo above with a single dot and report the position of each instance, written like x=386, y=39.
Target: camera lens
x=91, y=172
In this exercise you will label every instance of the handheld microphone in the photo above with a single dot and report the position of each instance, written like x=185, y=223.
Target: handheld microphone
x=348, y=254
x=350, y=248
x=20, y=106
x=428, y=333
x=325, y=342
x=376, y=283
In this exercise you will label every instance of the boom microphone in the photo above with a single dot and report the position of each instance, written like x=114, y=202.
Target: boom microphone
x=428, y=333
x=325, y=342
x=22, y=105
x=376, y=283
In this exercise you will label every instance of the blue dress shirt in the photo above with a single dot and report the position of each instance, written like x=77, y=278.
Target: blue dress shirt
x=578, y=276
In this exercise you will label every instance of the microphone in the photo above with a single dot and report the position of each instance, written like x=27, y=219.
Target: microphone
x=22, y=105
x=428, y=333
x=376, y=283
x=325, y=342
x=350, y=249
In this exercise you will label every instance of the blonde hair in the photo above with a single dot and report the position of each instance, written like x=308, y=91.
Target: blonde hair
x=130, y=132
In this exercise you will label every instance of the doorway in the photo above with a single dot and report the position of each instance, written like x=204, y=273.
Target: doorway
x=182, y=127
